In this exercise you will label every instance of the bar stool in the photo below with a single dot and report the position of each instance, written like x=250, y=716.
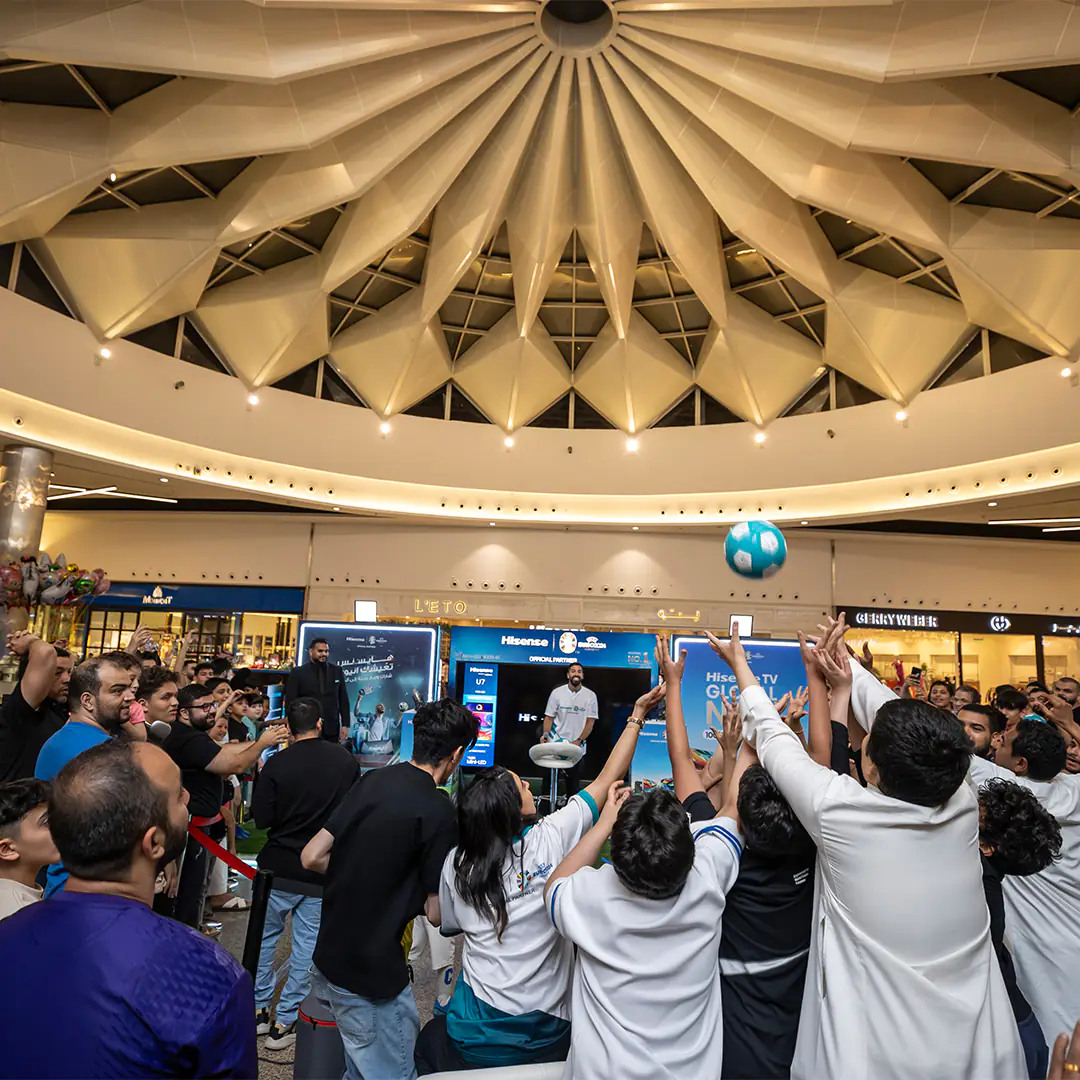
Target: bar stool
x=555, y=756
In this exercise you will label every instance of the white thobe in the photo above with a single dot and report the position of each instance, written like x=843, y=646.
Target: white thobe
x=902, y=982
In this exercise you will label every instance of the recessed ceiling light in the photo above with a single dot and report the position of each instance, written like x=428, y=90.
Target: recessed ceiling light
x=253, y=399
x=112, y=178
x=804, y=522
x=338, y=509
x=992, y=504
x=104, y=352
x=163, y=479
x=384, y=427
x=631, y=446
x=760, y=437
x=1066, y=372
x=508, y=441
x=901, y=416
x=492, y=524
x=635, y=528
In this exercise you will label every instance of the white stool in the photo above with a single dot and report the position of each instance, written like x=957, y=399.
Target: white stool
x=555, y=756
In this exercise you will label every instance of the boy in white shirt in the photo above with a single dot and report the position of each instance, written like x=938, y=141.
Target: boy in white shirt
x=646, y=989
x=902, y=981
x=26, y=845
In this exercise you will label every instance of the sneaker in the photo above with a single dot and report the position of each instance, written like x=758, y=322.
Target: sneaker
x=262, y=1021
x=281, y=1037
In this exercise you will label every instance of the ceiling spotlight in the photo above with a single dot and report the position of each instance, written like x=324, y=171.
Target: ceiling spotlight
x=634, y=528
x=901, y=416
x=337, y=509
x=631, y=446
x=760, y=437
x=804, y=522
x=253, y=399
x=112, y=178
x=492, y=524
x=104, y=352
x=992, y=504
x=508, y=441
x=384, y=427
x=163, y=479
x=1066, y=372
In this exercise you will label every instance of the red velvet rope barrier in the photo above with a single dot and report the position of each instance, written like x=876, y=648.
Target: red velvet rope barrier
x=221, y=853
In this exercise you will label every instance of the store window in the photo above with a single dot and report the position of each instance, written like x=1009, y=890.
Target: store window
x=996, y=659
x=1061, y=657
x=935, y=653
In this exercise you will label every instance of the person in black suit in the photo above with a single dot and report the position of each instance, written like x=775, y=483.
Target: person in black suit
x=325, y=682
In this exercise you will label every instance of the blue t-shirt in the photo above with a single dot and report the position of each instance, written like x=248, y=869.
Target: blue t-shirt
x=70, y=741
x=142, y=995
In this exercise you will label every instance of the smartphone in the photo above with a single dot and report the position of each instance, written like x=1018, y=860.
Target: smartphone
x=916, y=672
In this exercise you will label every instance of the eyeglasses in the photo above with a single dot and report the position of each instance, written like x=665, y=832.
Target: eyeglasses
x=203, y=708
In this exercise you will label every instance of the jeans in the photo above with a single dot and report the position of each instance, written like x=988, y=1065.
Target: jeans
x=306, y=916
x=379, y=1037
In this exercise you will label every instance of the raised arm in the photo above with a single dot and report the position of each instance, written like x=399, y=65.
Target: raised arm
x=587, y=850
x=685, y=776
x=622, y=753
x=802, y=781
x=867, y=695
x=240, y=756
x=40, y=666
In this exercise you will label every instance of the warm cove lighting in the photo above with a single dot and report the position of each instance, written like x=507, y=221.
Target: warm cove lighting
x=1036, y=521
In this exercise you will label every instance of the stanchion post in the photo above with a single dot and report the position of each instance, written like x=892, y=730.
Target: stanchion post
x=260, y=900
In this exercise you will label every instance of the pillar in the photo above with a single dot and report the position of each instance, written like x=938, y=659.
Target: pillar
x=24, y=488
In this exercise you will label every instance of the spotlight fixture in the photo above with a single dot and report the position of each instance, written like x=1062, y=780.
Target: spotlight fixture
x=384, y=427
x=901, y=416
x=804, y=522
x=253, y=399
x=760, y=437
x=492, y=524
x=1066, y=372
x=508, y=441
x=634, y=528
x=991, y=504
x=104, y=352
x=112, y=178
x=631, y=446
x=163, y=479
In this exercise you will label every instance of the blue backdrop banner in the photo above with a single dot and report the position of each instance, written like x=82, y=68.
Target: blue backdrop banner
x=779, y=669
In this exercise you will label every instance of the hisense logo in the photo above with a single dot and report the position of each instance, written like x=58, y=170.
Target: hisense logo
x=533, y=642
x=157, y=598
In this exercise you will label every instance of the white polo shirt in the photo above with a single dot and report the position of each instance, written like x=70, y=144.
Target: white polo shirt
x=530, y=968
x=570, y=709
x=646, y=990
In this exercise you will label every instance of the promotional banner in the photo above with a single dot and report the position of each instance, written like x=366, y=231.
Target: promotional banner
x=778, y=667
x=383, y=666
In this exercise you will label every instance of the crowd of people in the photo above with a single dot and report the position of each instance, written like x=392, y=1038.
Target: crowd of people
x=865, y=880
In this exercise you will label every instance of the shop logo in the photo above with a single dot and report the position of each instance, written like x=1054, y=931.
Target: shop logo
x=157, y=598
x=591, y=644
x=999, y=623
x=533, y=642
x=567, y=643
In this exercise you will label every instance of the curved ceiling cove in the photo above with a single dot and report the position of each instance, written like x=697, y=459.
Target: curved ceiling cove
x=618, y=214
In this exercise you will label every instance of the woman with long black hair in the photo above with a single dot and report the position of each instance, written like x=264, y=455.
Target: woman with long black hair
x=511, y=1004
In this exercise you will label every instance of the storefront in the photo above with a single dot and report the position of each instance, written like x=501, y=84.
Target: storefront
x=256, y=625
x=984, y=649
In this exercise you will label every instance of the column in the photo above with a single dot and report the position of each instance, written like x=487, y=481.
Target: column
x=24, y=488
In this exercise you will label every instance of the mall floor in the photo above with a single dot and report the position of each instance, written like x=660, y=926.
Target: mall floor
x=278, y=1065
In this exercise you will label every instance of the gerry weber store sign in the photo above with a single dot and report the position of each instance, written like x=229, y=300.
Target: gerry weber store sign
x=967, y=622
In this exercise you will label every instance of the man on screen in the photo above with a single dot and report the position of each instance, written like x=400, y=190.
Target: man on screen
x=571, y=712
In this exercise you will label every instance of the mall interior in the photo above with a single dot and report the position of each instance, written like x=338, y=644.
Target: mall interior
x=499, y=314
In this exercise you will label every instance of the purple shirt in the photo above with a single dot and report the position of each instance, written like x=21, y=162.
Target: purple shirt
x=104, y=987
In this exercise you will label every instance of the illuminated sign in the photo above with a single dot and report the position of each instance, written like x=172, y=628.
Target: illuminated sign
x=422, y=606
x=999, y=623
x=896, y=620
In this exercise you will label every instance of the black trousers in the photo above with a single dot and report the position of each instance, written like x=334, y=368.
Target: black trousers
x=437, y=1052
x=195, y=876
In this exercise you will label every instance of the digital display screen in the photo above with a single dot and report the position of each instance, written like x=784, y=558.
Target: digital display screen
x=480, y=695
x=275, y=713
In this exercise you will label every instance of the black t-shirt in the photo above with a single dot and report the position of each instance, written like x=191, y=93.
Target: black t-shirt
x=237, y=731
x=392, y=832
x=296, y=793
x=193, y=750
x=23, y=732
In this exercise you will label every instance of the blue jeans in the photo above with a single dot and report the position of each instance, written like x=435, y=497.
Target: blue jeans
x=306, y=916
x=379, y=1037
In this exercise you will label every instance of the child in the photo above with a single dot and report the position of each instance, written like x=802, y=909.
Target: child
x=26, y=844
x=646, y=988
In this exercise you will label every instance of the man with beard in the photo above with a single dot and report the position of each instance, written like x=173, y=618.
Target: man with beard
x=203, y=764
x=143, y=996
x=984, y=726
x=37, y=706
x=571, y=712
x=100, y=695
x=325, y=682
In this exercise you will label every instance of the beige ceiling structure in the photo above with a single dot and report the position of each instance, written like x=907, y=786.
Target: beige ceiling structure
x=576, y=213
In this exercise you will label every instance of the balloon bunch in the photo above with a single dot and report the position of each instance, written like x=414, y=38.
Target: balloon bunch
x=49, y=581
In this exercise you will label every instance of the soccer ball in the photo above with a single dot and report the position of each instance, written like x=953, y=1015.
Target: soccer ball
x=755, y=549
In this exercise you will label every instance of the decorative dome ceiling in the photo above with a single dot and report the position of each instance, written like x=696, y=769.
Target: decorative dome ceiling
x=561, y=212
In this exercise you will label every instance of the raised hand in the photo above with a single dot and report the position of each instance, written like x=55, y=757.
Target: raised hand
x=671, y=669
x=731, y=651
x=732, y=734
x=618, y=793
x=650, y=699
x=797, y=709
x=867, y=658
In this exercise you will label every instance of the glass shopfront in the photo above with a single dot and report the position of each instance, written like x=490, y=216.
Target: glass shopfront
x=255, y=625
x=983, y=649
